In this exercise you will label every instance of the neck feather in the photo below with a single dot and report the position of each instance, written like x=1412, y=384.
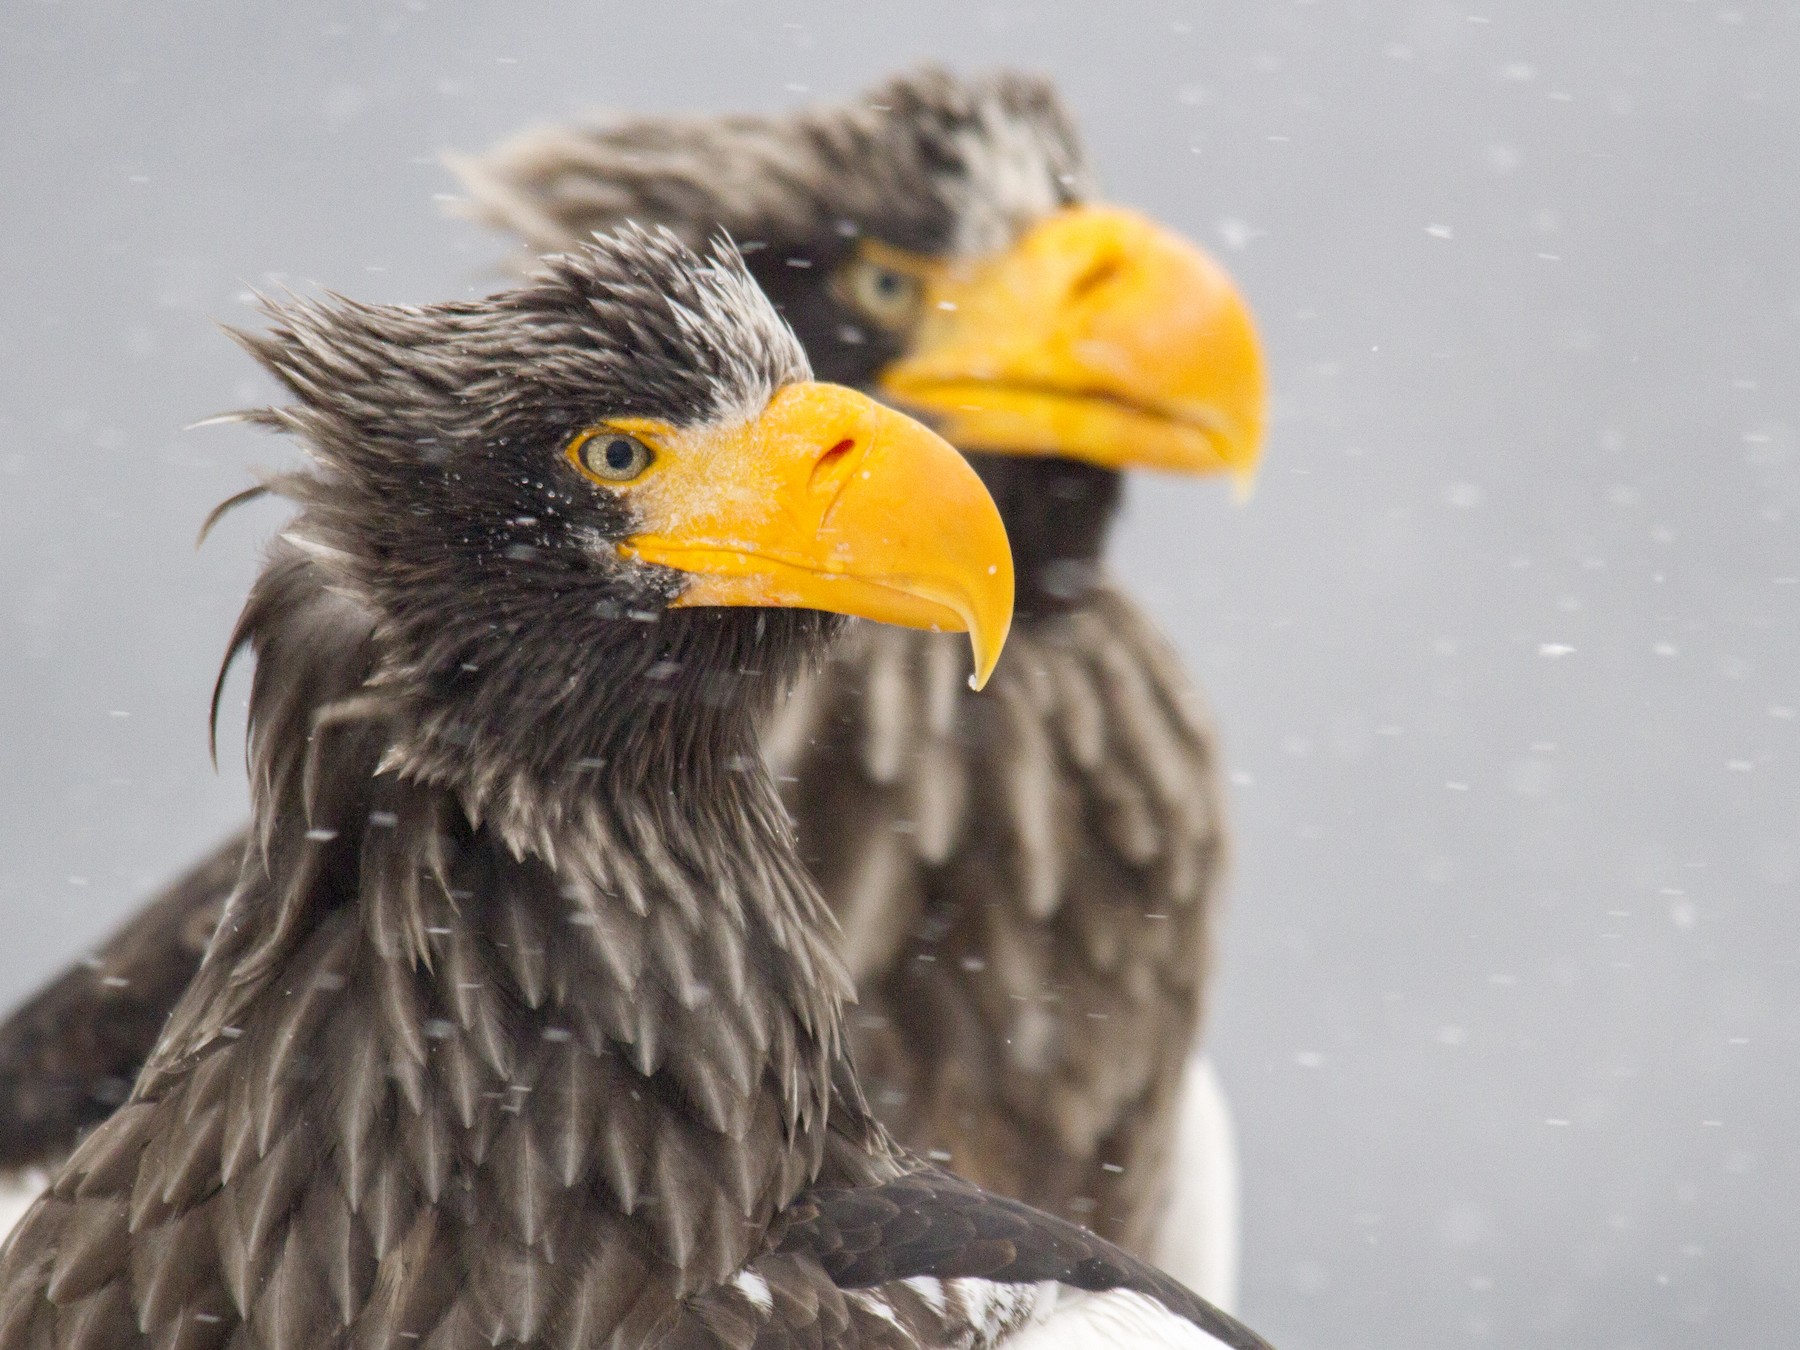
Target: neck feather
x=1059, y=515
x=607, y=993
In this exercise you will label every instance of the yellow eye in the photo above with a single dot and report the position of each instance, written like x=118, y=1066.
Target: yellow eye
x=610, y=456
x=885, y=294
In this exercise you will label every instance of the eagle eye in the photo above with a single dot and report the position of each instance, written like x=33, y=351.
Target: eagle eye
x=610, y=456
x=888, y=295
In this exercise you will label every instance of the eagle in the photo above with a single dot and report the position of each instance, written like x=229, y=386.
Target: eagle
x=524, y=1025
x=1026, y=877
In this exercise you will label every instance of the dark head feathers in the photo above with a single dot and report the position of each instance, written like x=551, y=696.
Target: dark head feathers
x=439, y=505
x=926, y=161
x=631, y=323
x=436, y=432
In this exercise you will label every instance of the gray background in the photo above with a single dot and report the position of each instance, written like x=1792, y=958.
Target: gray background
x=1504, y=649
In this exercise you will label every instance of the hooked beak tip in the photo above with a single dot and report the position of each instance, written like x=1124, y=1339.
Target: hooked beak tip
x=1243, y=485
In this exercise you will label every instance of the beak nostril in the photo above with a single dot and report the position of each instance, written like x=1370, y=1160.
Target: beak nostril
x=1098, y=273
x=830, y=460
x=829, y=473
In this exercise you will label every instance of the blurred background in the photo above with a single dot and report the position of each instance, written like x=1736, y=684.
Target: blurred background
x=1505, y=648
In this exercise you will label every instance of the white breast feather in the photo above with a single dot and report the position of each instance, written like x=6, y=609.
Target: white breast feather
x=1113, y=1320
x=16, y=1194
x=755, y=1288
x=1198, y=1239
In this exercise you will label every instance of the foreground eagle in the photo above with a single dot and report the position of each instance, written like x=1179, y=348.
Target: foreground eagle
x=523, y=1026
x=1025, y=876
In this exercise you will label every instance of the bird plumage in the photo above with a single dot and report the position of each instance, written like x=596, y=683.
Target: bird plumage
x=1021, y=879
x=1027, y=878
x=524, y=1024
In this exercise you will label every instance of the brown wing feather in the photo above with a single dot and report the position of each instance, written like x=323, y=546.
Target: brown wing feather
x=69, y=1056
x=1026, y=884
x=922, y=1259
x=931, y=1224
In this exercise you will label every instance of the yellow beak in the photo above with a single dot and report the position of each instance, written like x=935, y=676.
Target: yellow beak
x=1099, y=336
x=828, y=500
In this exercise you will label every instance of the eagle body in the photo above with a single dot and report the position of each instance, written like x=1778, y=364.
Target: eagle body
x=1023, y=878
x=393, y=1108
